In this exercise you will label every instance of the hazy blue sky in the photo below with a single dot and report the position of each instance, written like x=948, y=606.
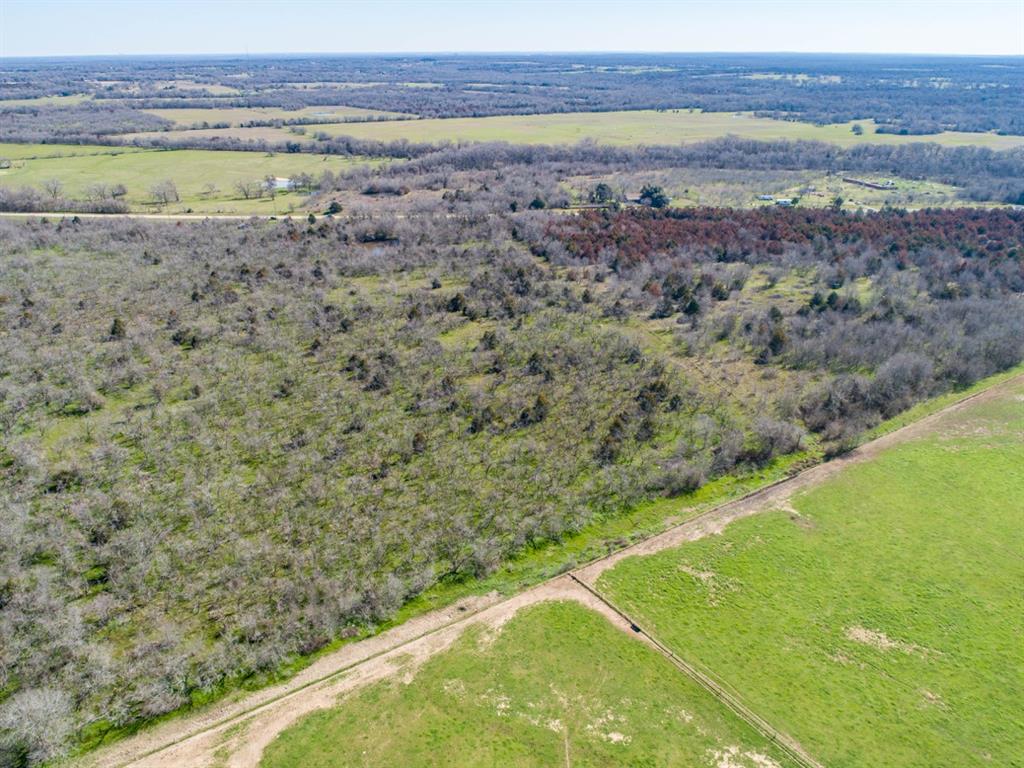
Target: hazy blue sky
x=54, y=27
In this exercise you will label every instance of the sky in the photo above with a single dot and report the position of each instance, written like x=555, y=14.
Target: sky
x=126, y=27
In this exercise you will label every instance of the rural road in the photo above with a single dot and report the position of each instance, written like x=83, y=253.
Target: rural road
x=234, y=732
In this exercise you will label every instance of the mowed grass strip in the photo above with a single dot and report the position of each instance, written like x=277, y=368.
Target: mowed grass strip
x=640, y=127
x=557, y=685
x=879, y=621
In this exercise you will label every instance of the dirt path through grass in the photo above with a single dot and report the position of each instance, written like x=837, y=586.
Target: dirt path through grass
x=234, y=732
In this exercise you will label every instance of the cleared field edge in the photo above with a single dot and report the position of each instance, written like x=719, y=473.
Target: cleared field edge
x=458, y=614
x=564, y=590
x=917, y=424
x=936, y=404
x=648, y=127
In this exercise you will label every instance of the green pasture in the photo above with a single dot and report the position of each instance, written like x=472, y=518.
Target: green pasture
x=256, y=133
x=641, y=127
x=47, y=101
x=40, y=151
x=879, y=619
x=908, y=193
x=238, y=115
x=190, y=170
x=557, y=685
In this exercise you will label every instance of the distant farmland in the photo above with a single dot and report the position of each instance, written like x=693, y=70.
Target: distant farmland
x=238, y=115
x=205, y=179
x=621, y=128
x=641, y=127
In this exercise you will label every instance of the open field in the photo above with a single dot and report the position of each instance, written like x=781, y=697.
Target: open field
x=80, y=166
x=875, y=618
x=255, y=133
x=622, y=128
x=46, y=101
x=556, y=685
x=907, y=193
x=642, y=127
x=238, y=115
x=190, y=170
x=690, y=187
x=45, y=151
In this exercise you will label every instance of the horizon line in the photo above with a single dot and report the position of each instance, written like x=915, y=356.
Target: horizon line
x=580, y=52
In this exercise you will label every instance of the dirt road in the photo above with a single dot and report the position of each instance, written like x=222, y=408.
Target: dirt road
x=235, y=732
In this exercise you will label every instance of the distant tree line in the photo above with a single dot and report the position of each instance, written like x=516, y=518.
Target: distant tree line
x=903, y=94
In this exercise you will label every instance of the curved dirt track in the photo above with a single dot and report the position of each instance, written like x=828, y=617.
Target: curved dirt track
x=235, y=732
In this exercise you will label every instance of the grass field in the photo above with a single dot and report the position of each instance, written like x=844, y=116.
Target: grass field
x=557, y=685
x=740, y=189
x=640, y=127
x=878, y=621
x=820, y=191
x=237, y=115
x=191, y=170
x=908, y=193
x=40, y=151
x=624, y=128
x=257, y=133
x=46, y=101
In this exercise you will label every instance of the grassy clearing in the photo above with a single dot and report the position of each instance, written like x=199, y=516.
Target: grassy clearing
x=40, y=151
x=188, y=85
x=191, y=170
x=557, y=686
x=908, y=193
x=879, y=622
x=689, y=187
x=238, y=115
x=259, y=133
x=47, y=101
x=641, y=127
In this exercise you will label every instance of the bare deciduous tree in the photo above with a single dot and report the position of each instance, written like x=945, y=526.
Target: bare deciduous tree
x=249, y=189
x=54, y=188
x=165, y=192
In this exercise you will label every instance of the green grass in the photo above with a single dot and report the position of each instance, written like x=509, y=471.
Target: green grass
x=908, y=193
x=921, y=547
x=39, y=151
x=237, y=115
x=47, y=101
x=190, y=169
x=258, y=133
x=639, y=127
x=558, y=685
